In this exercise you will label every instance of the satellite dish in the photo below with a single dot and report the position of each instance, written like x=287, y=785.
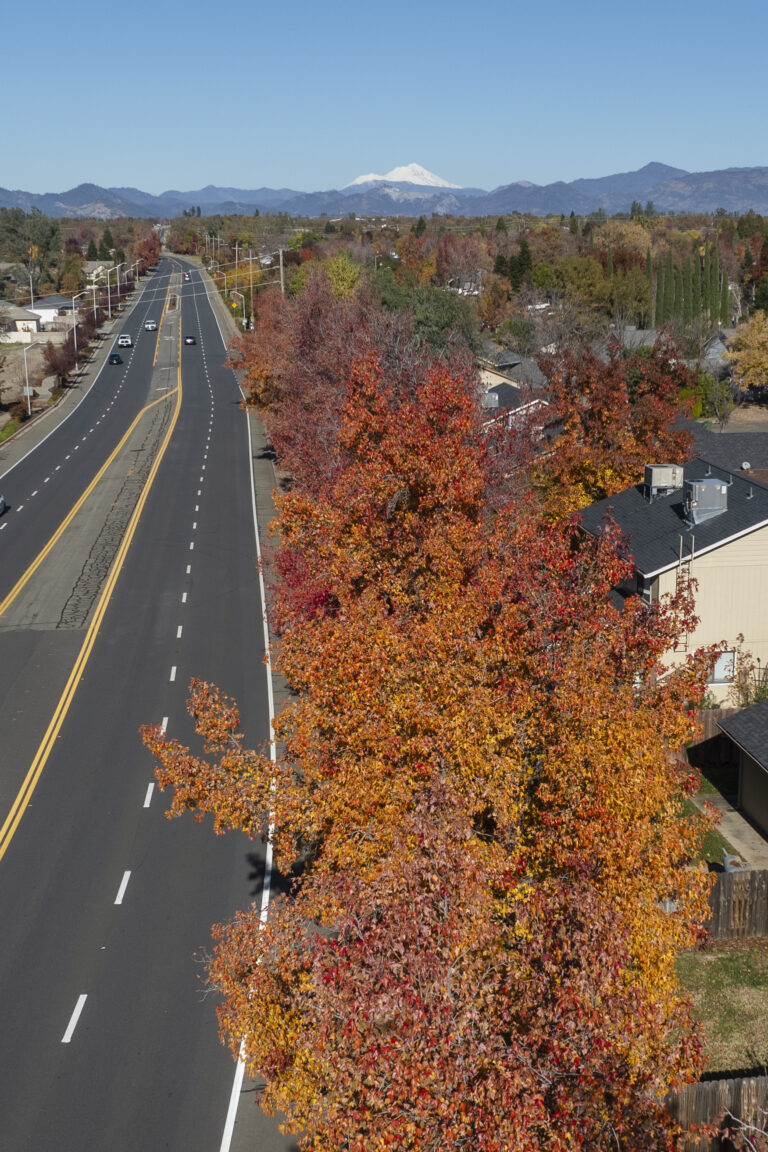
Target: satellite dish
x=746, y=466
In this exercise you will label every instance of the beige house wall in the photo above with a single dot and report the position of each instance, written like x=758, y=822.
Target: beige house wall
x=731, y=598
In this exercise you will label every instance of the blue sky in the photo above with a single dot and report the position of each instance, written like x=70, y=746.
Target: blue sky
x=169, y=95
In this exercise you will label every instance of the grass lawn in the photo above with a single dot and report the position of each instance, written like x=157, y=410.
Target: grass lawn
x=714, y=842
x=728, y=984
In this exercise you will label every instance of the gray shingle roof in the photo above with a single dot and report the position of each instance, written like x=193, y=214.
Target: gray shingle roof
x=732, y=449
x=749, y=729
x=655, y=529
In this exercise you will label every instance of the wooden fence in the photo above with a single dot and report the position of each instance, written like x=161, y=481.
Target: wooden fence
x=739, y=903
x=708, y=1101
x=709, y=718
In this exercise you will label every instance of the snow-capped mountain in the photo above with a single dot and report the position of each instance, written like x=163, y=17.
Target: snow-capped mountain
x=406, y=174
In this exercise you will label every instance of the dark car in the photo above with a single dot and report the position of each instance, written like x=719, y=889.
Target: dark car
x=3, y=505
x=115, y=358
x=190, y=340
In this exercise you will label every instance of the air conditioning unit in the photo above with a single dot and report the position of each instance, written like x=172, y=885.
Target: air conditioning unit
x=661, y=479
x=705, y=499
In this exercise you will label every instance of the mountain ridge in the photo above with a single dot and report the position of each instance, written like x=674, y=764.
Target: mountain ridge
x=671, y=189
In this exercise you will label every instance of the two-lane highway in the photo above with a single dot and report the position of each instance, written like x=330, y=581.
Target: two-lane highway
x=109, y=1034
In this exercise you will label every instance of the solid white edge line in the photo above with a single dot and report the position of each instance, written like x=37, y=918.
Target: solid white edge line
x=62, y=422
x=234, y=1099
x=74, y=1018
x=148, y=796
x=122, y=888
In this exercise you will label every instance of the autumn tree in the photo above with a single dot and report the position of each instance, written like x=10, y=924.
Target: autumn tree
x=610, y=419
x=476, y=774
x=748, y=352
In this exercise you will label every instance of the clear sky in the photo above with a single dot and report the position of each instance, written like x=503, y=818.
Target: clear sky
x=168, y=95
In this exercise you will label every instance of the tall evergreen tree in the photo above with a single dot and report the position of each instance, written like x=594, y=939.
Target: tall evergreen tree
x=714, y=287
x=677, y=294
x=669, y=288
x=725, y=300
x=609, y=267
x=706, y=279
x=659, y=319
x=688, y=292
x=93, y=252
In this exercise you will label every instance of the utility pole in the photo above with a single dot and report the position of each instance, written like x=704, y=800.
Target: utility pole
x=250, y=270
x=282, y=274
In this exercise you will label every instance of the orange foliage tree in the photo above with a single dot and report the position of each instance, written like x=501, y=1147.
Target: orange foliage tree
x=611, y=418
x=477, y=776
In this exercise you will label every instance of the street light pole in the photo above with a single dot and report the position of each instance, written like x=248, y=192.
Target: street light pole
x=26, y=375
x=74, y=320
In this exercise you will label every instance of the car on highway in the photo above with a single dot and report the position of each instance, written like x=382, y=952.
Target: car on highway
x=115, y=358
x=186, y=275
x=124, y=341
x=190, y=340
x=150, y=326
x=3, y=505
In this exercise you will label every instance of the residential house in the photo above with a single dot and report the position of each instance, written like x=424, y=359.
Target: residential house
x=18, y=325
x=708, y=523
x=54, y=311
x=748, y=731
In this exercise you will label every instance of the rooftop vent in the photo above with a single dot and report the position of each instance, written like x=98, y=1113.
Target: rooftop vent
x=705, y=499
x=661, y=479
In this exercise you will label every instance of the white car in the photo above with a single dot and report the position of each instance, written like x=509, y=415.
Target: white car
x=150, y=326
x=124, y=341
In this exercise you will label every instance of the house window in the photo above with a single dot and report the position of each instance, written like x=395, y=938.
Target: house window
x=724, y=669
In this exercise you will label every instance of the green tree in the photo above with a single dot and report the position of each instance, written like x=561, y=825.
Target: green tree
x=573, y=224
x=501, y=224
x=93, y=252
x=725, y=299
x=669, y=288
x=761, y=297
x=420, y=227
x=659, y=318
x=687, y=293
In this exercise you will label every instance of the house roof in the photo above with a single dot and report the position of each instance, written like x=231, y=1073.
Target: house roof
x=749, y=729
x=510, y=395
x=14, y=312
x=656, y=530
x=731, y=450
x=53, y=302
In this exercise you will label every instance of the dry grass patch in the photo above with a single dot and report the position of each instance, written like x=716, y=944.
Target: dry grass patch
x=728, y=984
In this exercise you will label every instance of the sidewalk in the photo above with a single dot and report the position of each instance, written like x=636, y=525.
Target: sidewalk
x=746, y=840
x=33, y=432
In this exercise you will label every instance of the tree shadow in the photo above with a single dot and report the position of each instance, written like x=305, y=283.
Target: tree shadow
x=281, y=882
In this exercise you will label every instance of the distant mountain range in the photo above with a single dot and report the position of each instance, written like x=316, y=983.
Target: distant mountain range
x=413, y=191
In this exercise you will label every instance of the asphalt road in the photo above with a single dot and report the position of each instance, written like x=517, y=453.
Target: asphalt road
x=108, y=1033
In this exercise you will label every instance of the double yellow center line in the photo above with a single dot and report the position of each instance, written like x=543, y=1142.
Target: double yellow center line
x=29, y=784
